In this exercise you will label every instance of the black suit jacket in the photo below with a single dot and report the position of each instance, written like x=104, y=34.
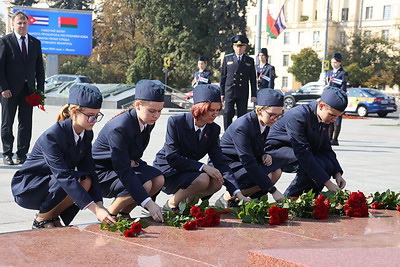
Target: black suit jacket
x=14, y=71
x=235, y=77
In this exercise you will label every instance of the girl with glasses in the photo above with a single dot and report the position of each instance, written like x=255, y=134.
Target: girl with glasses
x=243, y=147
x=59, y=178
x=189, y=137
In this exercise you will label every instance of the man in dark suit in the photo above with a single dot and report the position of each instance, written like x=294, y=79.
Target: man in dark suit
x=237, y=71
x=301, y=137
x=21, y=69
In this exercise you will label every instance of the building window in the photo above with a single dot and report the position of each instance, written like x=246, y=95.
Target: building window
x=387, y=10
x=345, y=14
x=385, y=35
x=368, y=12
x=286, y=39
x=367, y=33
x=316, y=38
x=284, y=82
x=270, y=1
x=300, y=37
x=285, y=60
x=342, y=37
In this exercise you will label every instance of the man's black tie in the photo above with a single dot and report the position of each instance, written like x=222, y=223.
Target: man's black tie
x=24, y=51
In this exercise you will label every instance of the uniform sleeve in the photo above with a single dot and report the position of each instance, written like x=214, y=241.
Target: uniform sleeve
x=40, y=76
x=272, y=77
x=223, y=77
x=253, y=80
x=3, y=55
x=119, y=142
x=61, y=172
x=344, y=83
x=173, y=150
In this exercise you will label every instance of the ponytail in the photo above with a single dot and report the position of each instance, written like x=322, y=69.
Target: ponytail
x=65, y=112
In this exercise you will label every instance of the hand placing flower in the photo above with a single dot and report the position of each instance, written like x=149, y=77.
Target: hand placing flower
x=126, y=227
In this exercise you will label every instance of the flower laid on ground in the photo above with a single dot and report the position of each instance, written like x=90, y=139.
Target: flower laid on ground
x=321, y=208
x=36, y=99
x=126, y=226
x=302, y=206
x=386, y=200
x=190, y=217
x=356, y=205
x=398, y=208
x=260, y=211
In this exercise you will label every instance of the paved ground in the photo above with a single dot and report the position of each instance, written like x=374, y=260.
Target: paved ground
x=369, y=152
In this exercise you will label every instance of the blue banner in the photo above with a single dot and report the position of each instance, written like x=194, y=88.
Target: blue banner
x=61, y=31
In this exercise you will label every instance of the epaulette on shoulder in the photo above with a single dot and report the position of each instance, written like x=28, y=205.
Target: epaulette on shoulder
x=231, y=54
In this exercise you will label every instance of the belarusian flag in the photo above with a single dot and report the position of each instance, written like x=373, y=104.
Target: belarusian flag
x=67, y=22
x=271, y=29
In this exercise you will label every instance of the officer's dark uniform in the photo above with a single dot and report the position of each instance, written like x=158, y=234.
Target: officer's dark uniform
x=202, y=77
x=234, y=83
x=266, y=73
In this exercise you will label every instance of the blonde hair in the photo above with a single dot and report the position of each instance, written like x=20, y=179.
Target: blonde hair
x=260, y=109
x=132, y=106
x=65, y=111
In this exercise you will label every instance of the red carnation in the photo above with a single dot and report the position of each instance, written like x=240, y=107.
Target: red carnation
x=274, y=210
x=377, y=205
x=283, y=215
x=129, y=233
x=194, y=210
x=136, y=227
x=398, y=208
x=190, y=225
x=274, y=219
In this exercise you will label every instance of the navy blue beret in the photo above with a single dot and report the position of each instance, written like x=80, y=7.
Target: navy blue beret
x=335, y=97
x=264, y=51
x=202, y=58
x=269, y=97
x=240, y=40
x=337, y=56
x=150, y=90
x=85, y=95
x=206, y=93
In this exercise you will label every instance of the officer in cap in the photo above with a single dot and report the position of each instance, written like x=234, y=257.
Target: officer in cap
x=190, y=137
x=59, y=177
x=237, y=72
x=337, y=77
x=118, y=150
x=243, y=147
x=265, y=72
x=301, y=139
x=202, y=76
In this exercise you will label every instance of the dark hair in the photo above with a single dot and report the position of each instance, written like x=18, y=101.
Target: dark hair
x=19, y=14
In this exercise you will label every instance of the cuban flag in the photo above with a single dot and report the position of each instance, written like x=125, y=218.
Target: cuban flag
x=38, y=20
x=280, y=22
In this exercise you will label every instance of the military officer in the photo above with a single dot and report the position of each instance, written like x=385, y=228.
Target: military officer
x=301, y=136
x=337, y=77
x=203, y=76
x=237, y=71
x=265, y=72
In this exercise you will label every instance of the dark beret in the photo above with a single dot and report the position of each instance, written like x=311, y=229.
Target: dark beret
x=206, y=93
x=269, y=97
x=150, y=90
x=337, y=56
x=335, y=97
x=264, y=51
x=85, y=95
x=240, y=40
x=202, y=58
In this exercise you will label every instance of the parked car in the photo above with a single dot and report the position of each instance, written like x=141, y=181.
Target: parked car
x=309, y=92
x=365, y=100
x=59, y=78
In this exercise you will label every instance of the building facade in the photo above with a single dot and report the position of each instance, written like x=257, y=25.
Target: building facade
x=305, y=22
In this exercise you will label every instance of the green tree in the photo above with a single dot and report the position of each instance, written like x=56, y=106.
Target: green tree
x=308, y=60
x=370, y=61
x=24, y=2
x=2, y=25
x=71, y=4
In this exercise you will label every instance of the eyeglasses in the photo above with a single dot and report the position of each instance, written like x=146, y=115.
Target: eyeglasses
x=274, y=116
x=92, y=118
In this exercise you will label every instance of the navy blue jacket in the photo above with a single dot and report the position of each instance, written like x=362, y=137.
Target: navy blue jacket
x=299, y=129
x=183, y=149
x=235, y=77
x=55, y=154
x=266, y=76
x=203, y=77
x=119, y=142
x=338, y=79
x=244, y=142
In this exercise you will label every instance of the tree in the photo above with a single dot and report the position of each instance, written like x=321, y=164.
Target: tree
x=306, y=66
x=371, y=61
x=71, y=4
x=24, y=2
x=2, y=25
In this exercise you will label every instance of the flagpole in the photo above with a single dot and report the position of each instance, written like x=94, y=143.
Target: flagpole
x=258, y=34
x=323, y=73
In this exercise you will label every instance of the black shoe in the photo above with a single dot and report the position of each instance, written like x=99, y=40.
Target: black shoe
x=20, y=160
x=8, y=160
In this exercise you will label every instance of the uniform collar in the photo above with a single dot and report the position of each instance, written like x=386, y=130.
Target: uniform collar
x=77, y=136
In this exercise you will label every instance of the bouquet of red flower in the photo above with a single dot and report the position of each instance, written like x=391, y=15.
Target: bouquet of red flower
x=126, y=227
x=260, y=211
x=36, y=99
x=356, y=205
x=321, y=208
x=389, y=200
x=190, y=217
x=337, y=201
